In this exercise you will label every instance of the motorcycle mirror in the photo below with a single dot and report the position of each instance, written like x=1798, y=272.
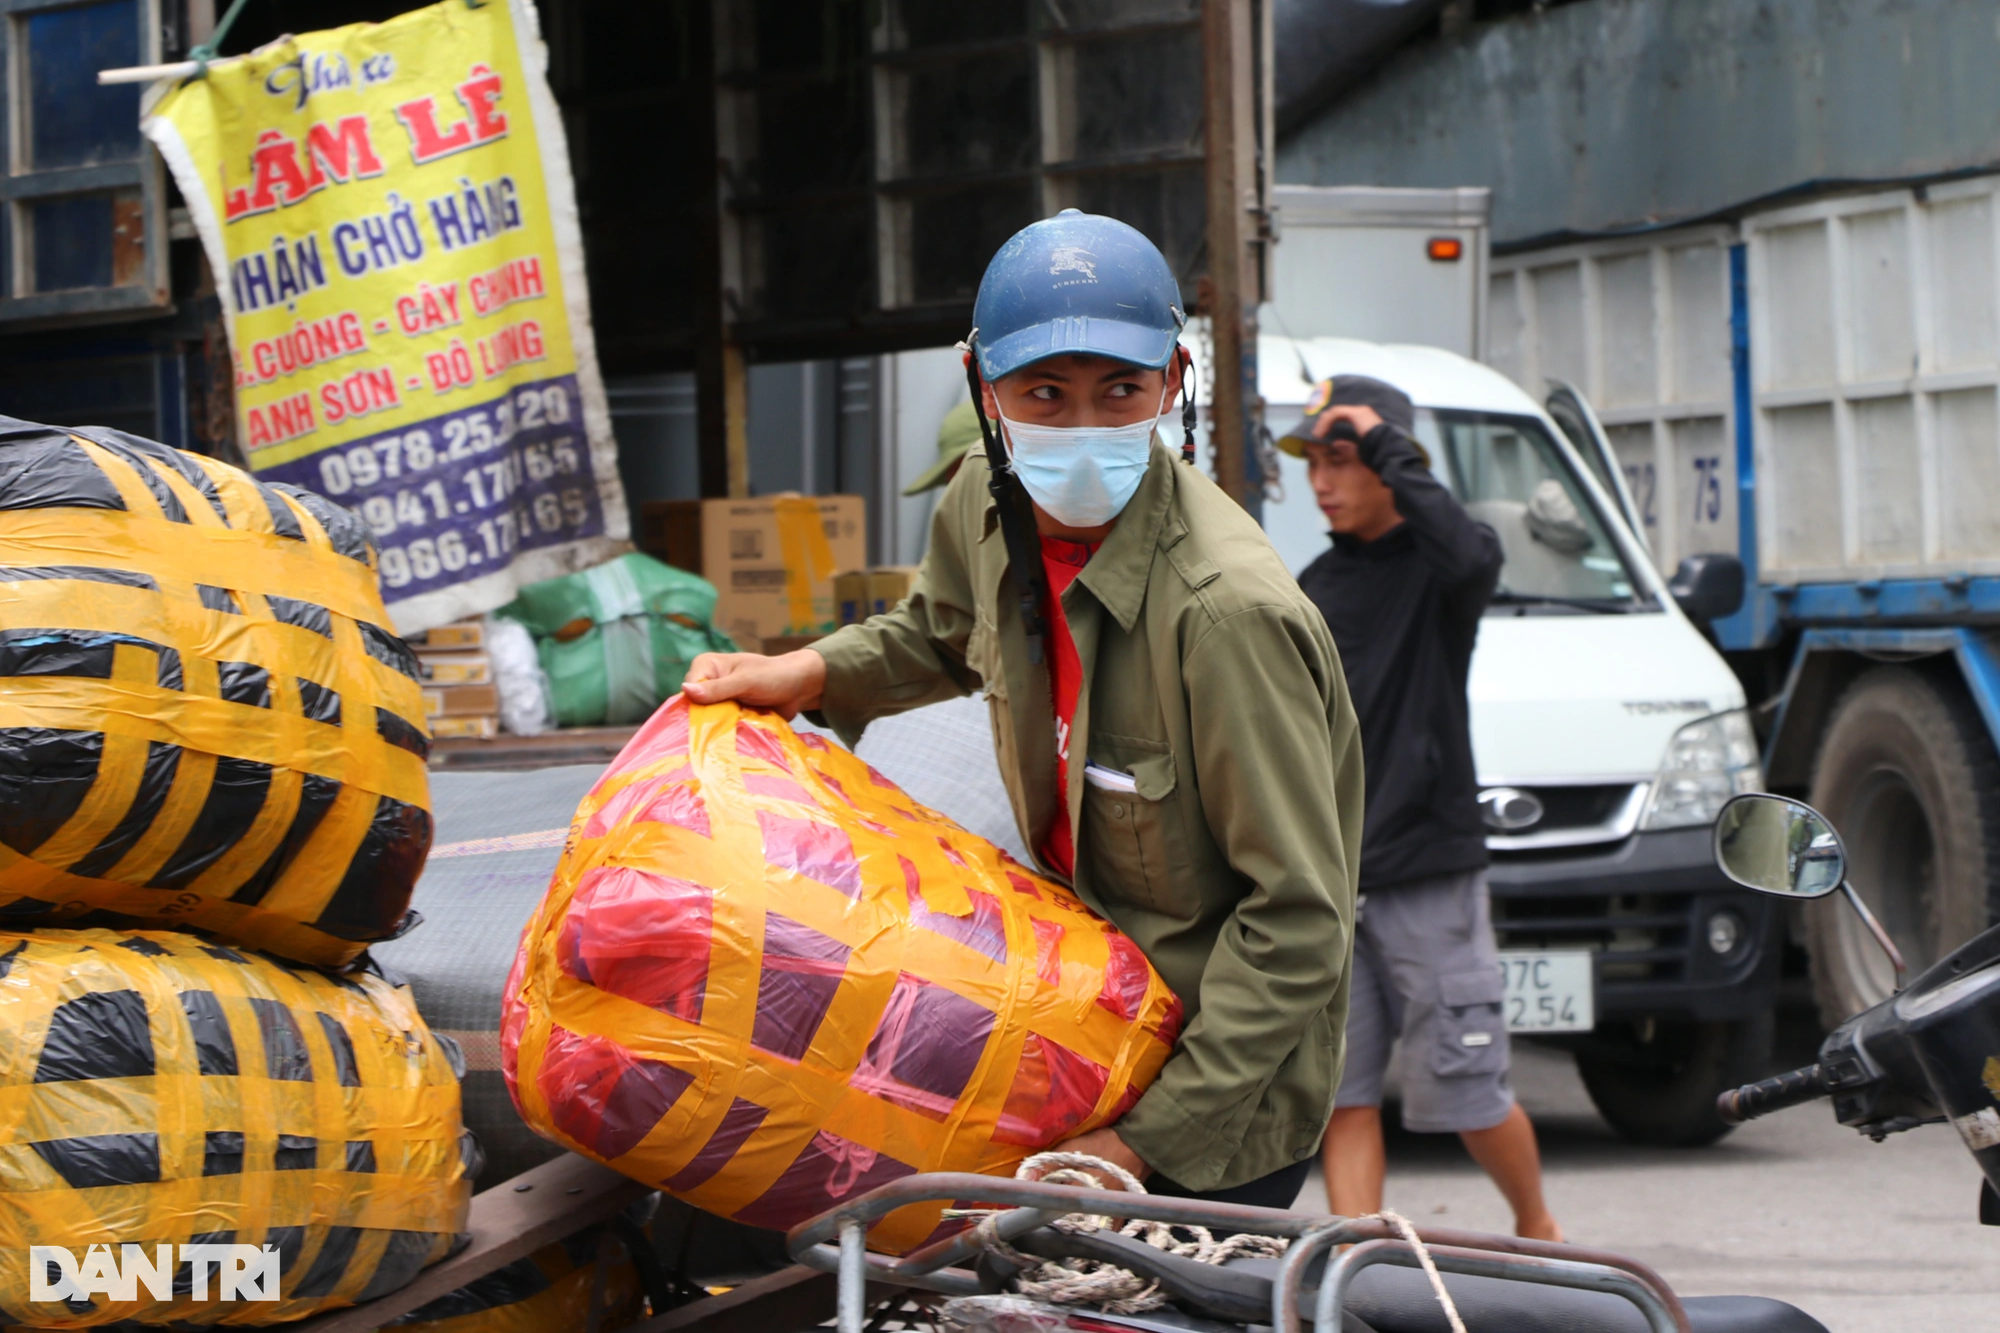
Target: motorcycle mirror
x=1774, y=844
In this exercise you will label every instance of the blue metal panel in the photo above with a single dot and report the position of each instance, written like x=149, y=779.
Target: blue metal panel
x=170, y=381
x=73, y=242
x=88, y=382
x=1756, y=624
x=1980, y=663
x=1882, y=642
x=1951, y=600
x=72, y=121
x=75, y=158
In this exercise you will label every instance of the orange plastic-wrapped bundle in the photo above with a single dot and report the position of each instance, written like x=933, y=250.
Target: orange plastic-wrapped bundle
x=765, y=980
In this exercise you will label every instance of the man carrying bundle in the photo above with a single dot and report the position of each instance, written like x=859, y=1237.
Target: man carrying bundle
x=1168, y=708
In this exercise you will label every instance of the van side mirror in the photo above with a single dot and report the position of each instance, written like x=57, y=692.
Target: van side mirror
x=1708, y=587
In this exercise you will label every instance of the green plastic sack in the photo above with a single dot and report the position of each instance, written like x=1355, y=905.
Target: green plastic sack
x=646, y=622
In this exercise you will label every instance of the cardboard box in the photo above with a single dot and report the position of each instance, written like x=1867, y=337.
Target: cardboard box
x=461, y=700
x=455, y=668
x=462, y=636
x=861, y=593
x=850, y=596
x=772, y=559
x=464, y=728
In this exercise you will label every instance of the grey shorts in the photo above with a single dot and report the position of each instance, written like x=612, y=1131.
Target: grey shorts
x=1425, y=970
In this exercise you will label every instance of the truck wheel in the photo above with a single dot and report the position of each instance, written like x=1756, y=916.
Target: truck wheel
x=1908, y=775
x=1657, y=1083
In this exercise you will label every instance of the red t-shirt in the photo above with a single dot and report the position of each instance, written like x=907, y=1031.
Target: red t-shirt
x=1062, y=561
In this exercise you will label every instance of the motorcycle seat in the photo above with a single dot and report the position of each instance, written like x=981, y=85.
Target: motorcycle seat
x=1399, y=1300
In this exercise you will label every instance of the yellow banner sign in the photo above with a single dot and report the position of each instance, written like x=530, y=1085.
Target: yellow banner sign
x=388, y=212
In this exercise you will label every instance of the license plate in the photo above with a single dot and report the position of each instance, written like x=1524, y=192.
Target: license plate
x=1548, y=990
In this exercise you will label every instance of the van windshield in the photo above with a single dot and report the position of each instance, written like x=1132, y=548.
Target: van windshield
x=1510, y=475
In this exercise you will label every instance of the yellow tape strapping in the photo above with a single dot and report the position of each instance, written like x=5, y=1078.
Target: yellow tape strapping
x=234, y=762
x=765, y=980
x=807, y=554
x=157, y=1090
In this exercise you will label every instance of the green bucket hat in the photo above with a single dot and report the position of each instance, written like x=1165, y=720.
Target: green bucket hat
x=959, y=433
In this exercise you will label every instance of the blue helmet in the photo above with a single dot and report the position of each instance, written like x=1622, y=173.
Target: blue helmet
x=1076, y=283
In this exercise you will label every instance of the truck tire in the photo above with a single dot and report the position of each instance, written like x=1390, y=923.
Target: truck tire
x=1657, y=1083
x=1909, y=777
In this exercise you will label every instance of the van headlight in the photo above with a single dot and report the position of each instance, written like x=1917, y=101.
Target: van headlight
x=1707, y=763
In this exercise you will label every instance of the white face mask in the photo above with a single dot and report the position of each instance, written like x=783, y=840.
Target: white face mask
x=1082, y=476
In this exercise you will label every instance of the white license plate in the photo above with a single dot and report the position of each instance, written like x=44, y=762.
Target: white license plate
x=1548, y=990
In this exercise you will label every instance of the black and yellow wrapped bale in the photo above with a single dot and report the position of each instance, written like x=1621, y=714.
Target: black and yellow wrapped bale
x=205, y=722
x=161, y=1094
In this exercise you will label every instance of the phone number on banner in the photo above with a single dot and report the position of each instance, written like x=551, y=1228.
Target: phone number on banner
x=456, y=496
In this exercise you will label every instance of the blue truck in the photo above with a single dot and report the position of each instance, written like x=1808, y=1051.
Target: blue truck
x=1810, y=391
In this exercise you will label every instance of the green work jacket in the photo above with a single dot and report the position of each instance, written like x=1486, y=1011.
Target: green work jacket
x=1212, y=680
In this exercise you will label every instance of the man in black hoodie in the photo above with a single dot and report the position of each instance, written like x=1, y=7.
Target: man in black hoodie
x=1403, y=589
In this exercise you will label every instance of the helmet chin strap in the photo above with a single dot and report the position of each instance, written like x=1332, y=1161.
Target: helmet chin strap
x=1187, y=405
x=1017, y=515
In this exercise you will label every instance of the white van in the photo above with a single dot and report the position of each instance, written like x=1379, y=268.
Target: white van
x=1607, y=731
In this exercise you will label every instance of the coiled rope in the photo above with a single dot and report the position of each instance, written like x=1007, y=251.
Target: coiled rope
x=1119, y=1291
x=1409, y=1234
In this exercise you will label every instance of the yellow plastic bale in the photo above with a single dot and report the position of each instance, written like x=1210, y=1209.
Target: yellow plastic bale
x=765, y=980
x=549, y=1291
x=205, y=722
x=156, y=1090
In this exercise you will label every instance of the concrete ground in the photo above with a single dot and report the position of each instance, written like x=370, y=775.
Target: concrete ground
x=1867, y=1237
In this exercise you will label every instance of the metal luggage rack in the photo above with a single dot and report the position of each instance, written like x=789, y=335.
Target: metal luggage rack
x=836, y=1242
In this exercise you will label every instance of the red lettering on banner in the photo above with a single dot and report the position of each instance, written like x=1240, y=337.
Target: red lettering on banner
x=286, y=419
x=427, y=142
x=429, y=308
x=282, y=175
x=481, y=97
x=343, y=152
x=509, y=347
x=449, y=369
x=516, y=280
x=358, y=394
x=301, y=347
x=274, y=169
x=483, y=121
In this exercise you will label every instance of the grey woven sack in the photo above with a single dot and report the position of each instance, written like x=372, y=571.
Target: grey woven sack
x=497, y=841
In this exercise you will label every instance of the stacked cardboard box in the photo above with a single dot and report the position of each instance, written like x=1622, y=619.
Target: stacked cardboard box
x=861, y=593
x=460, y=696
x=771, y=558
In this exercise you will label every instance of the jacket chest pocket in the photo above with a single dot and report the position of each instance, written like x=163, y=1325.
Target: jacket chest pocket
x=1133, y=839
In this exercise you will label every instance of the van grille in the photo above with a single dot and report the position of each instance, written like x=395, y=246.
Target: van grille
x=1638, y=937
x=1572, y=816
x=1579, y=807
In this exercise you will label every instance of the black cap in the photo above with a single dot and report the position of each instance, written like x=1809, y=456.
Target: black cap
x=1390, y=403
